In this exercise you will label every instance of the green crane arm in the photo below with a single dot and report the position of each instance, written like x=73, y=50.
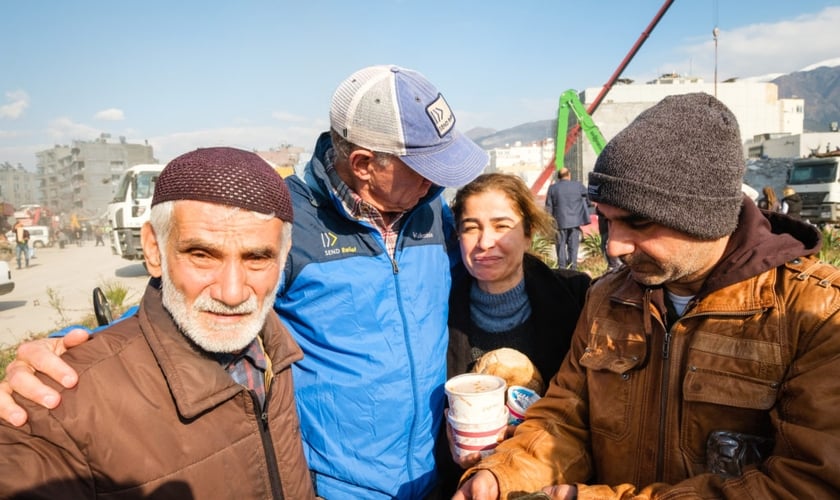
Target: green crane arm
x=546, y=173
x=569, y=99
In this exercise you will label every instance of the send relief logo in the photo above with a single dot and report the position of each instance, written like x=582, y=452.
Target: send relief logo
x=328, y=240
x=331, y=247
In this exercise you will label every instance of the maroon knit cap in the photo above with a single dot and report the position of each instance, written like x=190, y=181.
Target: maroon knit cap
x=226, y=176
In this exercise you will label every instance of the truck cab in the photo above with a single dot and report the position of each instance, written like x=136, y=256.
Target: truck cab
x=816, y=181
x=130, y=209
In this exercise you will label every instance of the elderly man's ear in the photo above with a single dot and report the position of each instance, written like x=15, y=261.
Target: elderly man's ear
x=151, y=251
x=361, y=162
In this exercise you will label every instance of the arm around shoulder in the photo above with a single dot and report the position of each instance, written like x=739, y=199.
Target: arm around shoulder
x=42, y=355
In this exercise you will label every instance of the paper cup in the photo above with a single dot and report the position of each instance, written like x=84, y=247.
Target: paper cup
x=475, y=397
x=518, y=400
x=482, y=438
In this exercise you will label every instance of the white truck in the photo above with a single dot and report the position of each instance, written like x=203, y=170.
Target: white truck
x=816, y=181
x=130, y=209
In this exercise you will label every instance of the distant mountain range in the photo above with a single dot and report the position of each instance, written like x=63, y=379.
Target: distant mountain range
x=819, y=87
x=529, y=132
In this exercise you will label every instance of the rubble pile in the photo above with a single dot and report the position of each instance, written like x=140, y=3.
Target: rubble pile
x=767, y=172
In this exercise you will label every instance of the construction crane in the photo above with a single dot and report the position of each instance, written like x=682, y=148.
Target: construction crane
x=575, y=131
x=569, y=100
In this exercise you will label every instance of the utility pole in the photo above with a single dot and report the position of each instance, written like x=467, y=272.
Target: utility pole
x=715, y=33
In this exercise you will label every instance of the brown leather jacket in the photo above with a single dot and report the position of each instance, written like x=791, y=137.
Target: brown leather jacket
x=757, y=352
x=154, y=417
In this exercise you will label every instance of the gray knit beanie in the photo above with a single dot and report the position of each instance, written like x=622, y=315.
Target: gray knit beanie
x=679, y=164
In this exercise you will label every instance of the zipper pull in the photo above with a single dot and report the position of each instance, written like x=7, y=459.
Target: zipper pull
x=666, y=345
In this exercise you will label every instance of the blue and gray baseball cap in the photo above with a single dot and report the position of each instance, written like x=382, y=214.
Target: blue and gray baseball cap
x=398, y=111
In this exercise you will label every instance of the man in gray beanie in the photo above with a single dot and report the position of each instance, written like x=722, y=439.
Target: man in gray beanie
x=706, y=366
x=191, y=396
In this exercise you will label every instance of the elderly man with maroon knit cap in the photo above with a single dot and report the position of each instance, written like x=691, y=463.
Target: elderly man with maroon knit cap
x=192, y=396
x=364, y=292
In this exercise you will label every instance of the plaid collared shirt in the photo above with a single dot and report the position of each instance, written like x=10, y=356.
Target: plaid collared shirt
x=362, y=210
x=247, y=368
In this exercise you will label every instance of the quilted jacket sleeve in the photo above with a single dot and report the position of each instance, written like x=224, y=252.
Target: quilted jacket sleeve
x=41, y=462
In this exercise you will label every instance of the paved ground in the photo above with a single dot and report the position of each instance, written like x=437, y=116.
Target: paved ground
x=72, y=273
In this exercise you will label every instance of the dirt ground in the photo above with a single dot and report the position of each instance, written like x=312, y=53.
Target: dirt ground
x=72, y=273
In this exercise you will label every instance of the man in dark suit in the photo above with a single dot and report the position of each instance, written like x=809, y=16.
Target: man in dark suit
x=566, y=200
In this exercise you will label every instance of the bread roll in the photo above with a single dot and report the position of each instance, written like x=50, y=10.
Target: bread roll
x=513, y=366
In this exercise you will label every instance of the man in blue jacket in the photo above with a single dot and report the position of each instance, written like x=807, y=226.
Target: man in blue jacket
x=366, y=290
x=366, y=286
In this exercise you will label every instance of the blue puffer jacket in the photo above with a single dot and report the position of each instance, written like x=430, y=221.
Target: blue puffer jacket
x=373, y=331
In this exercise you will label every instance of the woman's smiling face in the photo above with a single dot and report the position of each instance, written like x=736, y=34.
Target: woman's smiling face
x=493, y=240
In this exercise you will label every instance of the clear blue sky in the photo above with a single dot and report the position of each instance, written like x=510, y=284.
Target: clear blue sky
x=257, y=74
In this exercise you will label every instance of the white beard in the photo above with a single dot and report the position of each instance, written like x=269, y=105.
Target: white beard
x=215, y=337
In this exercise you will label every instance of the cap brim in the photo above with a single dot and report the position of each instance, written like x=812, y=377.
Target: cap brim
x=458, y=163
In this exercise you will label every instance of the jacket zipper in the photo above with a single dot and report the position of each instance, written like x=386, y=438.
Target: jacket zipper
x=409, y=353
x=663, y=402
x=666, y=379
x=268, y=446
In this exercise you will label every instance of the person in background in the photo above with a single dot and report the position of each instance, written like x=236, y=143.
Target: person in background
x=566, y=200
x=510, y=298
x=769, y=201
x=31, y=248
x=98, y=232
x=706, y=367
x=62, y=237
x=6, y=248
x=21, y=244
x=791, y=203
x=364, y=291
x=191, y=397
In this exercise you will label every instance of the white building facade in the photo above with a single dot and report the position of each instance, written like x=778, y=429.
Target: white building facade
x=761, y=115
x=792, y=146
x=83, y=177
x=524, y=160
x=756, y=105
